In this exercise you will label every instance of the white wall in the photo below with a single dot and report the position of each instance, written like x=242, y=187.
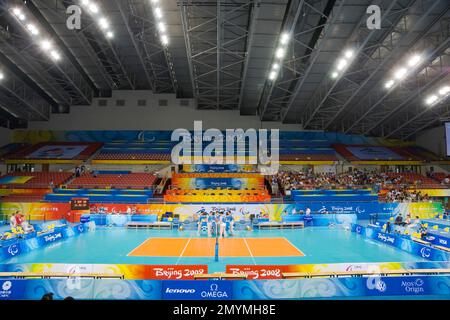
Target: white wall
x=5, y=136
x=150, y=117
x=433, y=140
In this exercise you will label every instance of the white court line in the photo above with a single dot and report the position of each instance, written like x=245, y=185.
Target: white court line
x=304, y=255
x=182, y=252
x=148, y=239
x=250, y=251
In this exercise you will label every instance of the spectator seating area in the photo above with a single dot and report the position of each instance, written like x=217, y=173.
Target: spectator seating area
x=131, y=156
x=114, y=181
x=34, y=180
x=413, y=179
x=361, y=195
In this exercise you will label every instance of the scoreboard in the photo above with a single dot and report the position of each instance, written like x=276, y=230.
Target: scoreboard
x=79, y=204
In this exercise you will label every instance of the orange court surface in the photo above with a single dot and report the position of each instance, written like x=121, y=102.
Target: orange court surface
x=204, y=247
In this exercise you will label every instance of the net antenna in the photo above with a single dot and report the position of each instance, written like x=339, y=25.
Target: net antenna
x=216, y=247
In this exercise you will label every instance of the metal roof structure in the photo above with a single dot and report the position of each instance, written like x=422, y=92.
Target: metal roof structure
x=221, y=53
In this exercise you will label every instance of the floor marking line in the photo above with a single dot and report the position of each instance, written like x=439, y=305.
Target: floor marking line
x=148, y=239
x=250, y=251
x=294, y=246
x=182, y=252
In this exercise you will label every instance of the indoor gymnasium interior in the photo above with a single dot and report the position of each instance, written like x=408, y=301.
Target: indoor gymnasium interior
x=224, y=150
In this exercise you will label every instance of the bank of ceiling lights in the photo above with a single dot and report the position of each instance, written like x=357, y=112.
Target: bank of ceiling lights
x=280, y=52
x=439, y=96
x=101, y=20
x=342, y=63
x=33, y=29
x=401, y=73
x=159, y=20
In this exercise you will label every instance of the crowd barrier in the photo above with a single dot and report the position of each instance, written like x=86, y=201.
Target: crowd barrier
x=54, y=211
x=402, y=243
x=20, y=246
x=310, y=288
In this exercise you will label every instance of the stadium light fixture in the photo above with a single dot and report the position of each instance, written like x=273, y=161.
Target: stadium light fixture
x=280, y=52
x=431, y=99
x=342, y=63
x=160, y=24
x=102, y=22
x=2, y=76
x=158, y=13
x=41, y=40
x=444, y=90
x=400, y=73
x=46, y=45
x=284, y=39
x=403, y=71
x=93, y=8
x=389, y=84
x=272, y=75
x=55, y=55
x=437, y=97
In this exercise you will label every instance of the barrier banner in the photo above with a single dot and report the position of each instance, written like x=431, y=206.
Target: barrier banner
x=258, y=271
x=402, y=243
x=176, y=272
x=11, y=289
x=50, y=238
x=27, y=245
x=197, y=290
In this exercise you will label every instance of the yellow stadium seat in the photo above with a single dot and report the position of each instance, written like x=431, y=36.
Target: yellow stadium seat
x=425, y=225
x=406, y=232
x=441, y=216
x=391, y=219
x=435, y=227
x=447, y=229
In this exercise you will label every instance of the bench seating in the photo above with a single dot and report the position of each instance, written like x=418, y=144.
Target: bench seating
x=150, y=225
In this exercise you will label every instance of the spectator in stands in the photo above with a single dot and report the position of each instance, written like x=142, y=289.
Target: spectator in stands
x=308, y=211
x=416, y=223
x=388, y=227
x=408, y=219
x=399, y=220
x=77, y=172
x=47, y=296
x=423, y=231
x=13, y=221
x=19, y=219
x=52, y=185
